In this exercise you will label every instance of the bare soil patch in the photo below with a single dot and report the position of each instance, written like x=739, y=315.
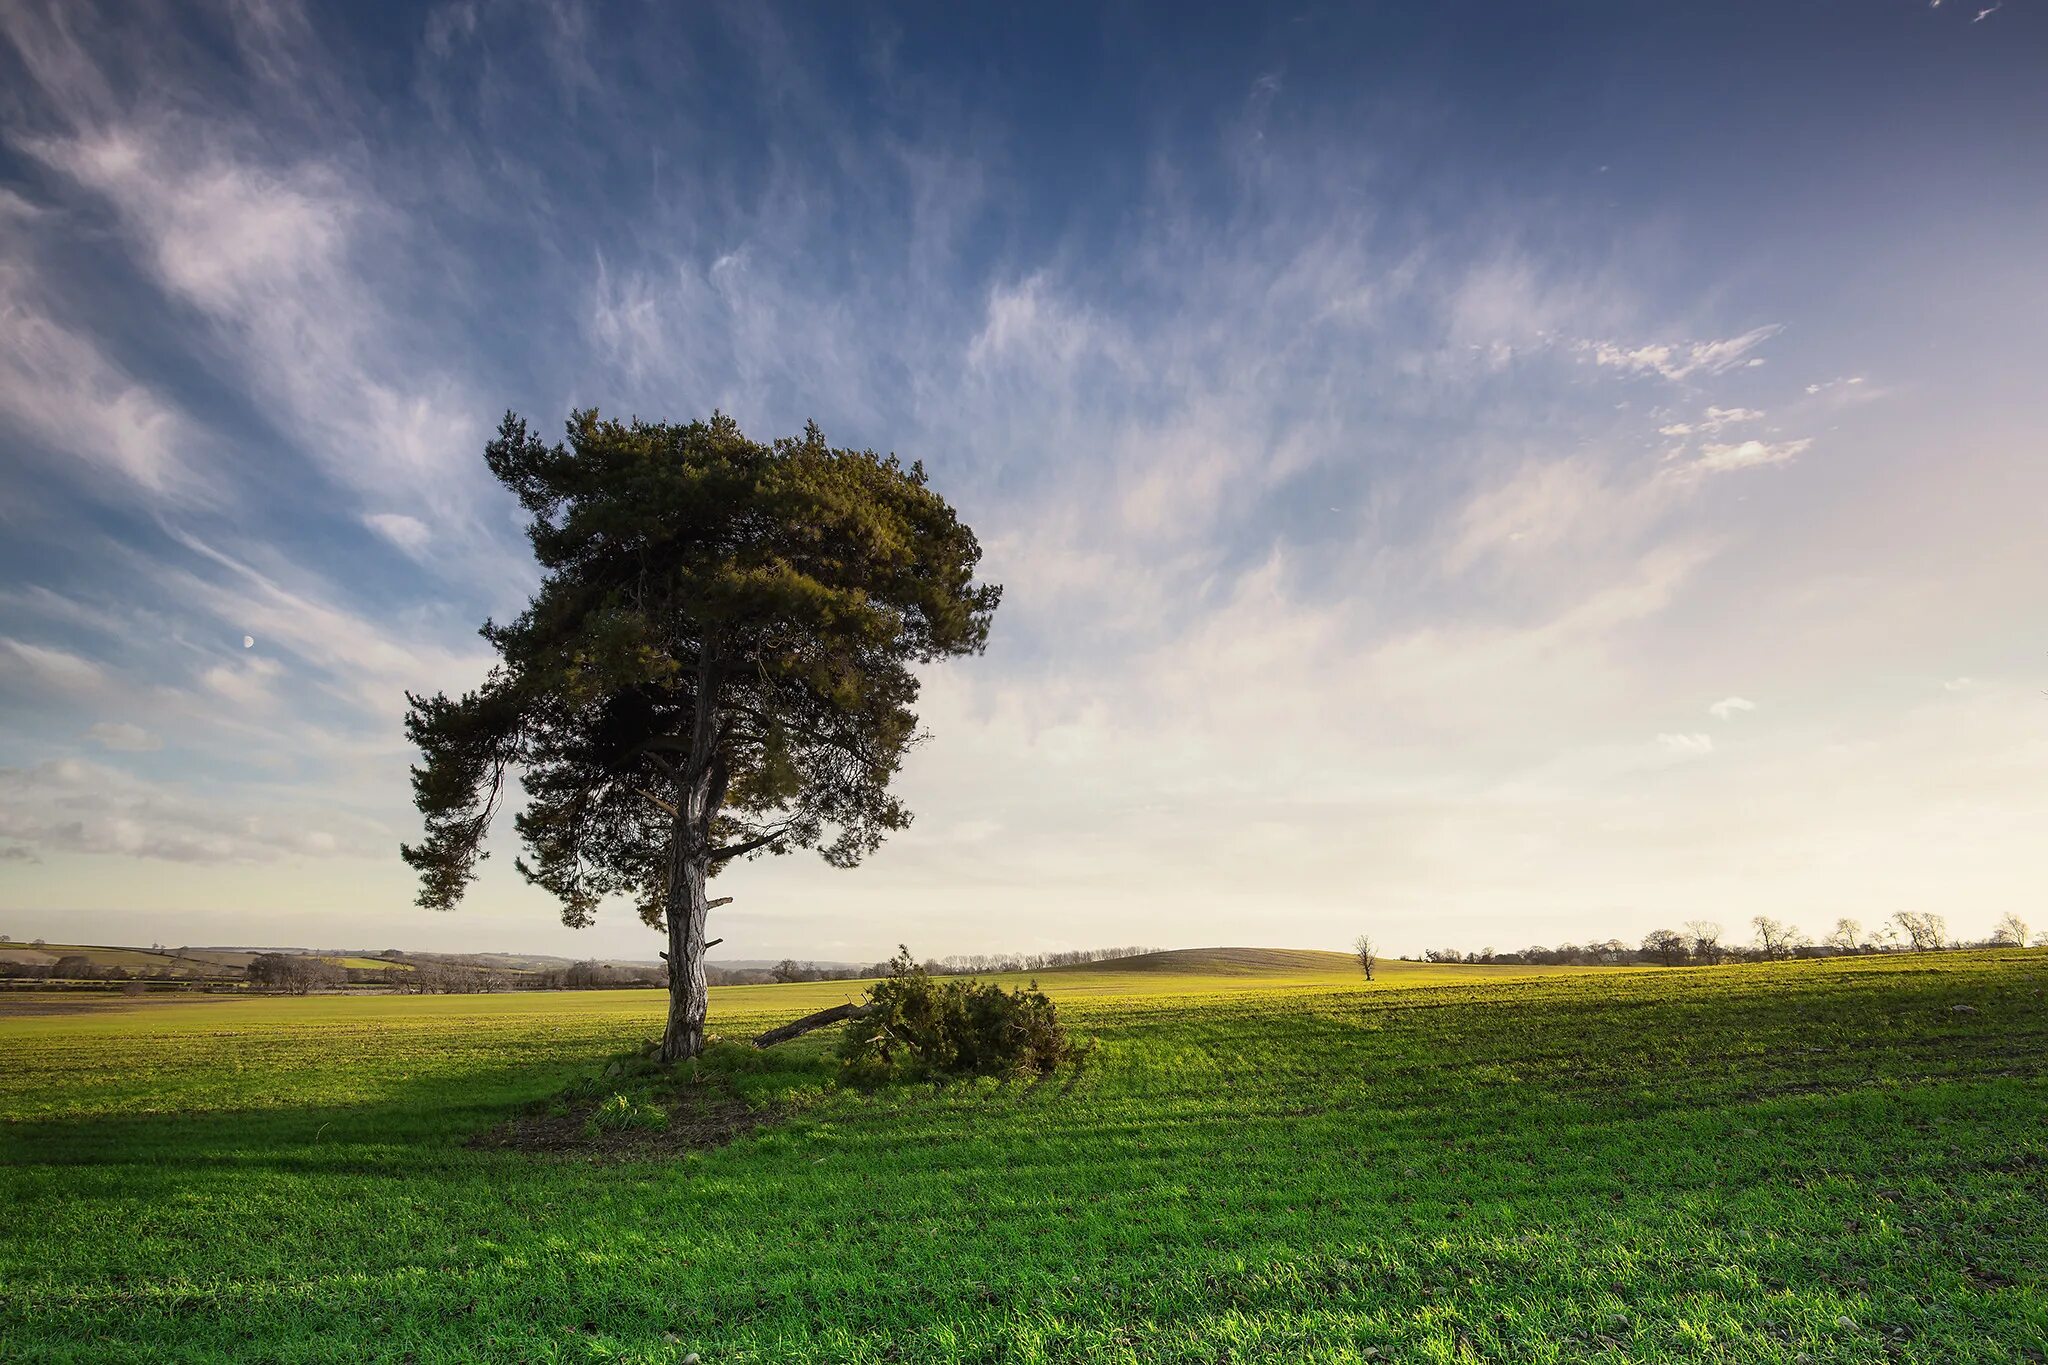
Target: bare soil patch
x=699, y=1117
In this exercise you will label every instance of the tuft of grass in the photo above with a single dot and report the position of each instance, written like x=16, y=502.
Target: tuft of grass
x=1741, y=1164
x=621, y=1113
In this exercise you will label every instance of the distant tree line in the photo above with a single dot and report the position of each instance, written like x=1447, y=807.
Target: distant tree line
x=957, y=964
x=1703, y=943
x=1695, y=943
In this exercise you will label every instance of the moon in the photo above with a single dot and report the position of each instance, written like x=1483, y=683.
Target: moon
x=248, y=642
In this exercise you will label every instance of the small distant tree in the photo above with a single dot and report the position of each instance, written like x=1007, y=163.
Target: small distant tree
x=2011, y=931
x=1847, y=936
x=718, y=664
x=787, y=970
x=1367, y=956
x=1705, y=935
x=73, y=967
x=293, y=973
x=268, y=971
x=39, y=945
x=586, y=976
x=6, y=938
x=1923, y=929
x=1775, y=938
x=1665, y=945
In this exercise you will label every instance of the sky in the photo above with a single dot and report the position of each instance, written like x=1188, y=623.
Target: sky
x=1477, y=474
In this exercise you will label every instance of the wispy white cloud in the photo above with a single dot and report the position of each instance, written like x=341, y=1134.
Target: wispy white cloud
x=1711, y=422
x=1682, y=359
x=409, y=534
x=59, y=388
x=280, y=258
x=266, y=251
x=1728, y=707
x=72, y=806
x=246, y=683
x=49, y=668
x=1721, y=457
x=366, y=662
x=123, y=737
x=1688, y=745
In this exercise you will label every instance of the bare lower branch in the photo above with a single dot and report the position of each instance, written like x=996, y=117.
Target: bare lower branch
x=668, y=806
x=811, y=1022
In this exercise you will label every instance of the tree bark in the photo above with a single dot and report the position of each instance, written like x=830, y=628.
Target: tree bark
x=689, y=910
x=688, y=995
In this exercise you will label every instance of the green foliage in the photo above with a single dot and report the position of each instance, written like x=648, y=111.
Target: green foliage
x=619, y=1112
x=951, y=1026
x=723, y=628
x=1456, y=1164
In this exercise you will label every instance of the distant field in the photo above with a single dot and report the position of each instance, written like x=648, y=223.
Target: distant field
x=1742, y=1164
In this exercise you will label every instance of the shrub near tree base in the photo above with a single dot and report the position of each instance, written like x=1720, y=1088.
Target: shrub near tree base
x=916, y=1024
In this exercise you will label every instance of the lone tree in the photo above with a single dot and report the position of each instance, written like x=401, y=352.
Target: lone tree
x=2011, y=932
x=1664, y=945
x=1924, y=929
x=1368, y=956
x=1706, y=940
x=1775, y=938
x=717, y=665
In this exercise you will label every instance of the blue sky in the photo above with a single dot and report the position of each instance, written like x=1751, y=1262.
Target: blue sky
x=1487, y=474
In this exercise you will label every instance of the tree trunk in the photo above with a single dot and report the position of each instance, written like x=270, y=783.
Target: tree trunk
x=688, y=996
x=700, y=793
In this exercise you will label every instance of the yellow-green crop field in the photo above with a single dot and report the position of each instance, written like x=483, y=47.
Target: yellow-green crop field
x=1261, y=1160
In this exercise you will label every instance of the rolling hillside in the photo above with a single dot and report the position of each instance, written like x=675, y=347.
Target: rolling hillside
x=1279, y=965
x=184, y=962
x=1229, y=962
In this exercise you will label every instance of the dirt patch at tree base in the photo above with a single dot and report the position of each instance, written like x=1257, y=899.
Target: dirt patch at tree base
x=702, y=1117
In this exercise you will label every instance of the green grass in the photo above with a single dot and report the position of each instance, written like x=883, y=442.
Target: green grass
x=1742, y=1164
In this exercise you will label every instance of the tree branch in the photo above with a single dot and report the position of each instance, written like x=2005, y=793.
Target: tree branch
x=719, y=855
x=810, y=1022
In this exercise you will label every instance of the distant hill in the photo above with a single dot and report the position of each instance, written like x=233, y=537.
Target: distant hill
x=230, y=963
x=1228, y=962
x=187, y=962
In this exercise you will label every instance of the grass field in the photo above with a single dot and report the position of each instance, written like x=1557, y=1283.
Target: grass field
x=1265, y=1162
x=368, y=964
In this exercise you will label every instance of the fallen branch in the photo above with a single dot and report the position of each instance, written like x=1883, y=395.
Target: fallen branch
x=799, y=1027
